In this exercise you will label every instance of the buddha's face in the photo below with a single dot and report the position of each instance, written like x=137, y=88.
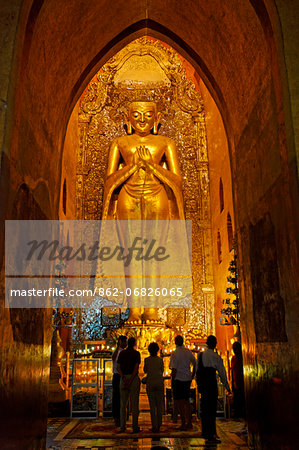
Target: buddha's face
x=142, y=116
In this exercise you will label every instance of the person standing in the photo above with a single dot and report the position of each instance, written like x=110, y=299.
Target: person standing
x=180, y=362
x=154, y=368
x=121, y=345
x=208, y=363
x=127, y=366
x=238, y=380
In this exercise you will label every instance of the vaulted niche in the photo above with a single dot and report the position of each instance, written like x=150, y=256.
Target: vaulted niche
x=150, y=70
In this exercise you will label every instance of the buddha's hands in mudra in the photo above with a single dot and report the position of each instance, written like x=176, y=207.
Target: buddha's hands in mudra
x=142, y=157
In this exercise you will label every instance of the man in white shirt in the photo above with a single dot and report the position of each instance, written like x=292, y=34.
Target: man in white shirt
x=180, y=363
x=208, y=362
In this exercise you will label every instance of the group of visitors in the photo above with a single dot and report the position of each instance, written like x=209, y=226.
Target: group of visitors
x=184, y=367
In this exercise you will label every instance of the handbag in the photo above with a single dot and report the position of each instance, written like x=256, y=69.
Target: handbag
x=200, y=374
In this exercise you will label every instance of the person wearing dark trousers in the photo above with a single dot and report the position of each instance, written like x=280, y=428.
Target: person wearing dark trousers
x=121, y=345
x=208, y=363
x=180, y=362
x=127, y=366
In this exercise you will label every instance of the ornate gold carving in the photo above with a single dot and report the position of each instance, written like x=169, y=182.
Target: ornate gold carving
x=101, y=118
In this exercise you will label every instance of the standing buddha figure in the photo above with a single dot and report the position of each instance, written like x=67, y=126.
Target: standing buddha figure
x=143, y=177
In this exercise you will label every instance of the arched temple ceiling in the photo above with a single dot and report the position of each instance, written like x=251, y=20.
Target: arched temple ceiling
x=69, y=41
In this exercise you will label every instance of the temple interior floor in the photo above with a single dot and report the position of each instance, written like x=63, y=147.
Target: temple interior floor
x=232, y=432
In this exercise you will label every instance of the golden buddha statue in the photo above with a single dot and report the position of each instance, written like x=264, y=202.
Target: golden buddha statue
x=143, y=176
